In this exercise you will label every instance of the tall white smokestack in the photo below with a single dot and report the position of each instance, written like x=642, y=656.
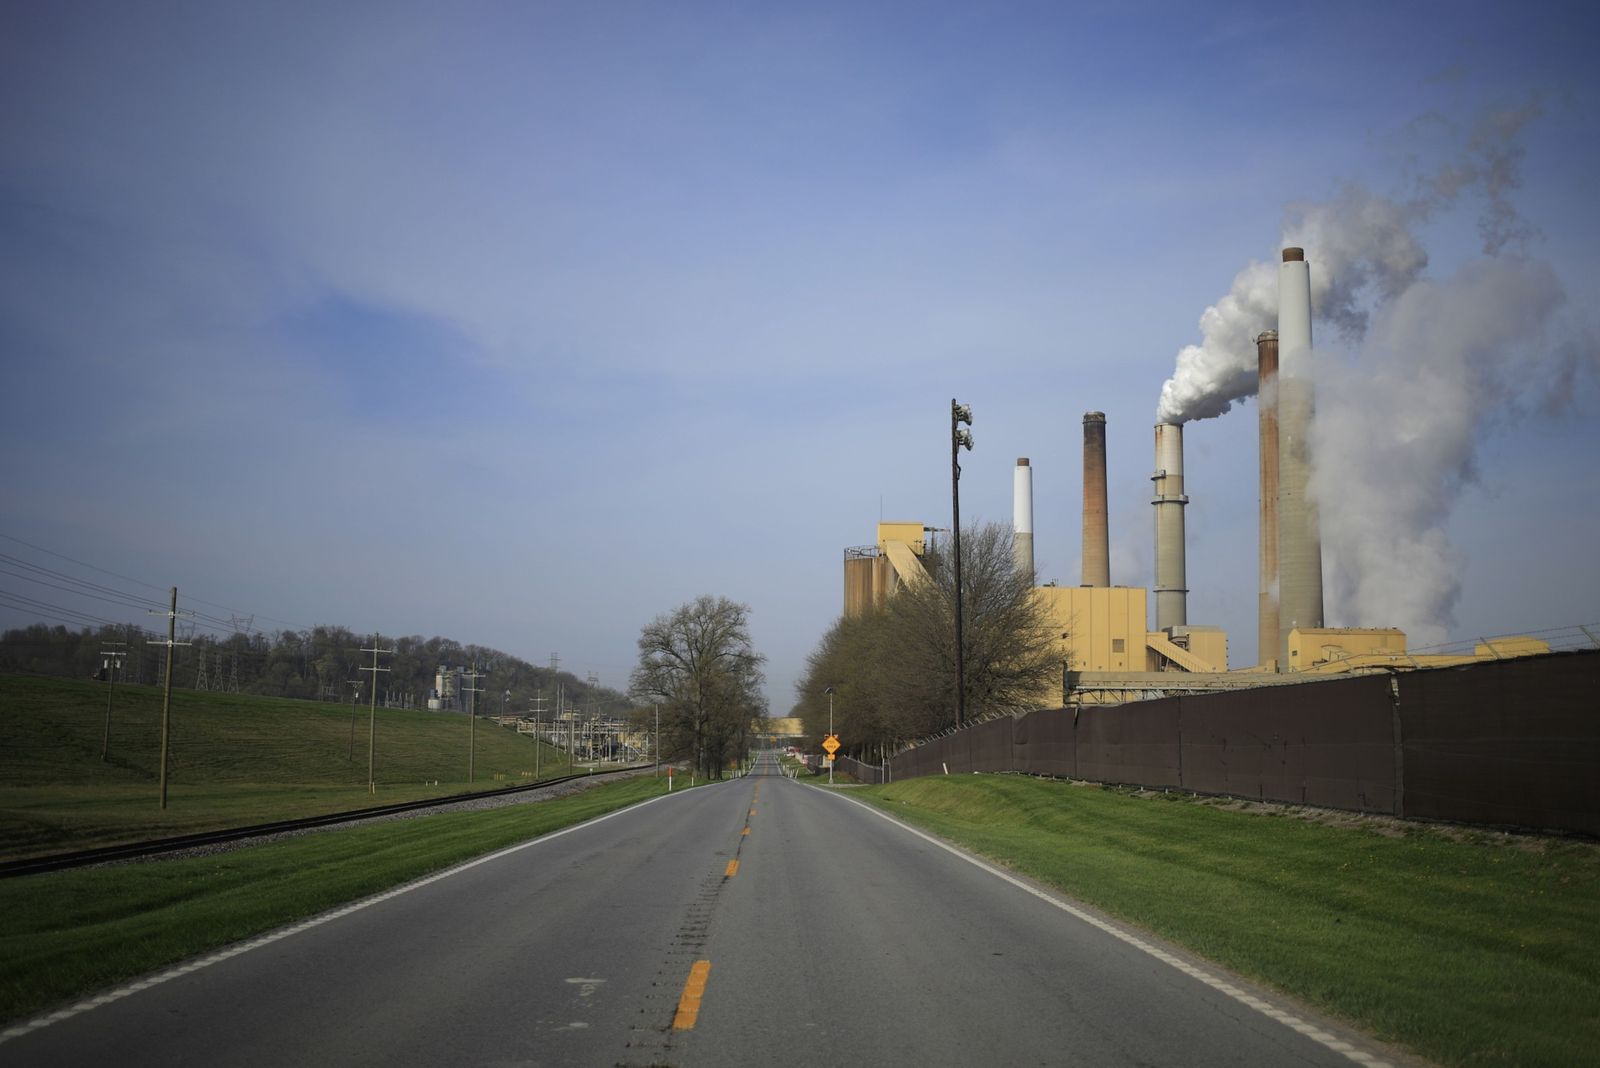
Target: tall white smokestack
x=1022, y=515
x=1299, y=536
x=1172, y=592
x=1096, y=547
x=1267, y=403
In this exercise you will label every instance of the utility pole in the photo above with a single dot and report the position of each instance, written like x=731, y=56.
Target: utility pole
x=594, y=681
x=372, y=710
x=166, y=696
x=472, y=719
x=555, y=720
x=112, y=662
x=538, y=743
x=355, y=695
x=656, y=747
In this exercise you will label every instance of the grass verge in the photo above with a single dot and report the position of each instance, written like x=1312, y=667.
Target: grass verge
x=1468, y=948
x=64, y=934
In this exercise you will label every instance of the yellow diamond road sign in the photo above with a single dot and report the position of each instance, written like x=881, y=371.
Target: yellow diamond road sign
x=831, y=744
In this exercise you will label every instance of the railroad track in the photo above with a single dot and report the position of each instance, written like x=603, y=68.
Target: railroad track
x=156, y=846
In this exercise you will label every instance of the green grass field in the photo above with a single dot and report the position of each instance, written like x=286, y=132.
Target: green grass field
x=1471, y=948
x=64, y=934
x=233, y=760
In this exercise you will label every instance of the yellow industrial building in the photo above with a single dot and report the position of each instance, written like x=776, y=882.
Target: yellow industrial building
x=1109, y=654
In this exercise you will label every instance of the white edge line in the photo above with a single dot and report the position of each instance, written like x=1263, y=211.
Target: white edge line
x=1250, y=1001
x=176, y=971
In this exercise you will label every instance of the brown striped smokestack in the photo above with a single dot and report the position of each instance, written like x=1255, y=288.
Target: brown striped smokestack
x=1096, y=532
x=1267, y=403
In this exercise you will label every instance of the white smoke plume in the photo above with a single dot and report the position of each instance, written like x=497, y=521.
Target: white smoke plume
x=1397, y=427
x=1410, y=379
x=1363, y=250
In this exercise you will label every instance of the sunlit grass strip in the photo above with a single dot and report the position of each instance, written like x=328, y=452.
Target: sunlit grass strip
x=1474, y=950
x=64, y=934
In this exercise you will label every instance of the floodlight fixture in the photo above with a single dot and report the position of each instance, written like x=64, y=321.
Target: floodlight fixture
x=964, y=439
x=961, y=412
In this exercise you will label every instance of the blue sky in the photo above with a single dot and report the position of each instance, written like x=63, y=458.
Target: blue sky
x=523, y=323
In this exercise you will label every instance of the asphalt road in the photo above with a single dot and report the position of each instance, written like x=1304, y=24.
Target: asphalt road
x=812, y=929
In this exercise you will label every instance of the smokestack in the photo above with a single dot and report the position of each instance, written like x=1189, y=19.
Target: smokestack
x=1096, y=537
x=1299, y=537
x=1022, y=516
x=1267, y=402
x=1172, y=609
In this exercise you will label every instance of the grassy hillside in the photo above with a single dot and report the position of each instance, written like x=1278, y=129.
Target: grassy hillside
x=232, y=760
x=1468, y=946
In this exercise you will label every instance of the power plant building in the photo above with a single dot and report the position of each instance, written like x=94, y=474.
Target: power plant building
x=1109, y=652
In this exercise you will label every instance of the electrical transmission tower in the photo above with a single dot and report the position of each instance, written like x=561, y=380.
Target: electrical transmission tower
x=241, y=626
x=202, y=680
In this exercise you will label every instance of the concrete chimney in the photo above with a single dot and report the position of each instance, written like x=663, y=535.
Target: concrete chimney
x=1267, y=404
x=1096, y=533
x=1172, y=593
x=1022, y=516
x=1299, y=536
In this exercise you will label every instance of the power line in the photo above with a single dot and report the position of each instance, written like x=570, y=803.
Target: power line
x=92, y=589
x=80, y=563
x=88, y=589
x=60, y=613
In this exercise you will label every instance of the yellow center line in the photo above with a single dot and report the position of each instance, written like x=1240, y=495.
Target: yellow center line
x=746, y=830
x=733, y=868
x=694, y=988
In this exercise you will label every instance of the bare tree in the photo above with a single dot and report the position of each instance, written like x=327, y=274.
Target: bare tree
x=698, y=662
x=893, y=670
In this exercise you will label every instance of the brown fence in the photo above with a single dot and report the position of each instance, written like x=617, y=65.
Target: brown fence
x=1513, y=742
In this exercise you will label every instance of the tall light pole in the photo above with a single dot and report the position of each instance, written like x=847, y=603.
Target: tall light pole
x=959, y=438
x=829, y=692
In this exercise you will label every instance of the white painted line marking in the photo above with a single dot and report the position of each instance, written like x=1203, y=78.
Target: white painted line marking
x=1311, y=1031
x=35, y=1024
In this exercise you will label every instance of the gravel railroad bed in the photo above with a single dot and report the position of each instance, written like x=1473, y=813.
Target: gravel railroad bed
x=476, y=804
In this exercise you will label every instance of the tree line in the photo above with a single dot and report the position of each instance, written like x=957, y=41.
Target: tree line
x=316, y=664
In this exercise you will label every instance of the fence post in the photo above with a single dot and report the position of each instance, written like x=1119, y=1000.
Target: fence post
x=1399, y=748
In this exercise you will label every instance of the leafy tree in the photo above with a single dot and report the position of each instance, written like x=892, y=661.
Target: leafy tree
x=893, y=670
x=698, y=663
